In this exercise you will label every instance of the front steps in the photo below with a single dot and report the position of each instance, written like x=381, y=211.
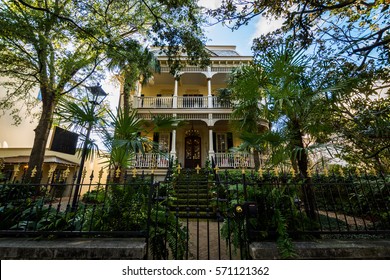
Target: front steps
x=193, y=195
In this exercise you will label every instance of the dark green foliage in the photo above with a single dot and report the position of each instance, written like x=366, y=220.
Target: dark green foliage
x=277, y=213
x=94, y=196
x=167, y=235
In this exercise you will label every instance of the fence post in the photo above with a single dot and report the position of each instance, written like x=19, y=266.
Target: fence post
x=148, y=223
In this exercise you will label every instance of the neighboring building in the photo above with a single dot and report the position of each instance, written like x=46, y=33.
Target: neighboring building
x=60, y=163
x=192, y=96
x=16, y=142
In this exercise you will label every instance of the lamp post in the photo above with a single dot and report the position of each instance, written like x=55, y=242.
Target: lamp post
x=98, y=95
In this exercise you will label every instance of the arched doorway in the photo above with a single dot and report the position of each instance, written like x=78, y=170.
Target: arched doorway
x=193, y=151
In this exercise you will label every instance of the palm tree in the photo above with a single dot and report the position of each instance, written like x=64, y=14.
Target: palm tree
x=135, y=63
x=122, y=139
x=291, y=97
x=246, y=85
x=82, y=116
x=123, y=136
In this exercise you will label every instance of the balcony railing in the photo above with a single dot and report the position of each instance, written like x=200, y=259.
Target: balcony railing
x=234, y=160
x=222, y=160
x=186, y=102
x=150, y=160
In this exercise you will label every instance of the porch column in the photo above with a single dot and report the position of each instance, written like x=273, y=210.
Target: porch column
x=137, y=95
x=211, y=148
x=173, y=144
x=209, y=96
x=175, y=92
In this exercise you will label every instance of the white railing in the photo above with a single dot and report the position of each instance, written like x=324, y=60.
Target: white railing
x=192, y=102
x=217, y=103
x=150, y=160
x=154, y=102
x=189, y=102
x=234, y=160
x=222, y=160
x=192, y=116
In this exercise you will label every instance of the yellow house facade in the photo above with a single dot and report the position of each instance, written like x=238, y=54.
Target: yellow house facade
x=191, y=96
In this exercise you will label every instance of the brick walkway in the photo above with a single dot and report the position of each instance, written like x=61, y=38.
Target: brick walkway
x=211, y=245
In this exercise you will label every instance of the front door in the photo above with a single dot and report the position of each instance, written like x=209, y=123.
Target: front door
x=192, y=151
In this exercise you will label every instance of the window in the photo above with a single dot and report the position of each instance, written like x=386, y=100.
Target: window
x=221, y=143
x=163, y=142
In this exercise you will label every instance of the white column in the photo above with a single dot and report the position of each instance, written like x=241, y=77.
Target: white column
x=173, y=144
x=137, y=95
x=175, y=92
x=210, y=97
x=211, y=148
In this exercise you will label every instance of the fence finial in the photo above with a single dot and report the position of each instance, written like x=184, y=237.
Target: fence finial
x=34, y=172
x=134, y=171
x=292, y=171
x=216, y=168
x=326, y=172
x=197, y=168
x=276, y=171
x=178, y=168
x=260, y=170
x=357, y=172
x=53, y=167
x=117, y=172
x=66, y=172
x=84, y=172
x=100, y=173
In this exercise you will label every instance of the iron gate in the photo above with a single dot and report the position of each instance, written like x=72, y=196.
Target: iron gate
x=196, y=218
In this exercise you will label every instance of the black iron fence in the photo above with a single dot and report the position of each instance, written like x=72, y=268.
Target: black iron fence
x=198, y=214
x=321, y=204
x=98, y=209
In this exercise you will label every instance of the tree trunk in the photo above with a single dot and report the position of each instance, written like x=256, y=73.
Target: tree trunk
x=303, y=163
x=41, y=136
x=256, y=156
x=126, y=96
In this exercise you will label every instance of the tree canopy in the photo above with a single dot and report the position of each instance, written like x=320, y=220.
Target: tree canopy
x=356, y=29
x=56, y=46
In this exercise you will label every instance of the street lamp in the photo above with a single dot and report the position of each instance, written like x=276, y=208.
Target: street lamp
x=95, y=97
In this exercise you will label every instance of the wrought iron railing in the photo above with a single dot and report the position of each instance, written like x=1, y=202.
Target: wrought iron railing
x=322, y=204
x=117, y=207
x=238, y=206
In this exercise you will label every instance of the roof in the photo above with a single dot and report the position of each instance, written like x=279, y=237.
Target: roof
x=215, y=51
x=225, y=53
x=47, y=159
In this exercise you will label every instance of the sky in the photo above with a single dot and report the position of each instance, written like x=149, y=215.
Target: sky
x=243, y=37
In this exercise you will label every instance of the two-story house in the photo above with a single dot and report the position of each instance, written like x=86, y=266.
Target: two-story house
x=192, y=96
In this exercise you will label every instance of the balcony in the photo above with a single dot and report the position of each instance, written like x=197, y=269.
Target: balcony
x=180, y=102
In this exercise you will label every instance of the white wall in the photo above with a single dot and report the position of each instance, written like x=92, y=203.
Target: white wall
x=17, y=136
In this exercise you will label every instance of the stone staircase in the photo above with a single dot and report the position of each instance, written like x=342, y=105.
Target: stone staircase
x=193, y=195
